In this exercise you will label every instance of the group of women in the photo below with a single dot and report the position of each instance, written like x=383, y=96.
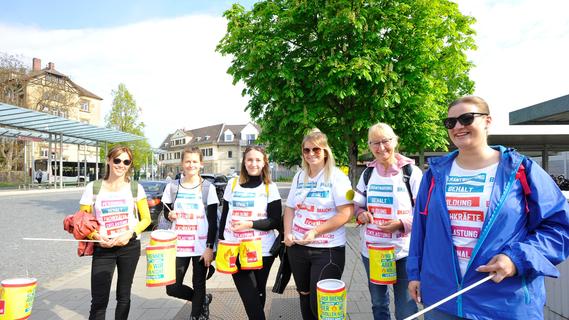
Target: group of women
x=477, y=211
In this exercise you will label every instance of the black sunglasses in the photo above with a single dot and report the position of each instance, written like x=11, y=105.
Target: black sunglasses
x=125, y=161
x=315, y=150
x=465, y=119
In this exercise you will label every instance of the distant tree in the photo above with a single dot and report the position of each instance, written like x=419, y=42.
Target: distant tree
x=124, y=116
x=343, y=65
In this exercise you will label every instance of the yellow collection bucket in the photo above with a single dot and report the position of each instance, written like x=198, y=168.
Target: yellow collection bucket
x=226, y=257
x=382, y=268
x=160, y=265
x=163, y=237
x=16, y=298
x=331, y=295
x=251, y=254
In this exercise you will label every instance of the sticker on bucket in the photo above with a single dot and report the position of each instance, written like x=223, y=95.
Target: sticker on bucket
x=251, y=254
x=160, y=265
x=17, y=298
x=226, y=257
x=331, y=295
x=382, y=269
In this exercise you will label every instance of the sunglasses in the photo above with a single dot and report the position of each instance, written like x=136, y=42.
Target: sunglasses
x=126, y=162
x=315, y=150
x=465, y=119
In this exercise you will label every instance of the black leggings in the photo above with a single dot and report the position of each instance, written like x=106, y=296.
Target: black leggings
x=310, y=265
x=251, y=285
x=181, y=291
x=103, y=265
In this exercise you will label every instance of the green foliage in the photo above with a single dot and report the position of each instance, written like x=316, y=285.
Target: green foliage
x=344, y=65
x=124, y=116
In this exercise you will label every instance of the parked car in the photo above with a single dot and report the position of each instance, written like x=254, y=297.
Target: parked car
x=154, y=191
x=219, y=181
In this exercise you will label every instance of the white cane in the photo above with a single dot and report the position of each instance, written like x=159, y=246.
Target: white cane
x=431, y=307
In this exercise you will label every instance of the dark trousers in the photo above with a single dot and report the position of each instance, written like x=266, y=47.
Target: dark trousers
x=181, y=291
x=251, y=285
x=310, y=265
x=105, y=260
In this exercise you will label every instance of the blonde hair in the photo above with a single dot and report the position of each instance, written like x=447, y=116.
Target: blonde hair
x=319, y=139
x=383, y=129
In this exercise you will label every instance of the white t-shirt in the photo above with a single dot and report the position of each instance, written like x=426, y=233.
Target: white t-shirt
x=250, y=204
x=314, y=202
x=114, y=210
x=191, y=224
x=388, y=199
x=468, y=198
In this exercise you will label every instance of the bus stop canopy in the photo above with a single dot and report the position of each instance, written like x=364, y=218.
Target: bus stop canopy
x=552, y=112
x=21, y=123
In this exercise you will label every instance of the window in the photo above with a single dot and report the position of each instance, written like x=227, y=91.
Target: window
x=208, y=152
x=250, y=138
x=206, y=137
x=228, y=137
x=43, y=153
x=177, y=155
x=85, y=106
x=230, y=154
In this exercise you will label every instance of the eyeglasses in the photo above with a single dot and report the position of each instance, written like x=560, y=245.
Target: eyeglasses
x=465, y=119
x=126, y=162
x=315, y=150
x=384, y=142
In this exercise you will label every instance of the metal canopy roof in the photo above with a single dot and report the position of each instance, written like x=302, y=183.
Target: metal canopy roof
x=555, y=111
x=23, y=122
x=40, y=136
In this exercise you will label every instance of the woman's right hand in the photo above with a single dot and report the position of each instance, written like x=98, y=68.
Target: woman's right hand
x=415, y=290
x=104, y=241
x=365, y=217
x=172, y=215
x=289, y=239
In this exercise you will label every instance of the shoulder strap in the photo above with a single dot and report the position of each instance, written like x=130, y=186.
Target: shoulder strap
x=407, y=171
x=174, y=187
x=97, y=187
x=134, y=189
x=205, y=191
x=367, y=175
x=233, y=184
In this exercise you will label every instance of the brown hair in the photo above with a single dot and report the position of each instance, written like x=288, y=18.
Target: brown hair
x=265, y=173
x=115, y=152
x=318, y=138
x=192, y=150
x=477, y=101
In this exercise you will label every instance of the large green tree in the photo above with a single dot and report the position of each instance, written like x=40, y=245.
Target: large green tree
x=343, y=65
x=124, y=116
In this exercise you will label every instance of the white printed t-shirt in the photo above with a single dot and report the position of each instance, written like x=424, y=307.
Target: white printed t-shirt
x=114, y=210
x=468, y=198
x=388, y=199
x=191, y=224
x=314, y=202
x=249, y=204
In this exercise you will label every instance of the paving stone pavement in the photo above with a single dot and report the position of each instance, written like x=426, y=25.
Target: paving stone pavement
x=69, y=297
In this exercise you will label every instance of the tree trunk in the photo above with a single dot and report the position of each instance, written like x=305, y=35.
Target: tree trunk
x=353, y=157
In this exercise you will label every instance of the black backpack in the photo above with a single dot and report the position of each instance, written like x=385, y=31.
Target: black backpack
x=407, y=171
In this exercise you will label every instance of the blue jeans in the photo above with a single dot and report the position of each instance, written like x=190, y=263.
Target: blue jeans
x=439, y=315
x=404, y=304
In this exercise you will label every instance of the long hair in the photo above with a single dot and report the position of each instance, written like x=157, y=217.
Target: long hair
x=316, y=137
x=115, y=152
x=244, y=176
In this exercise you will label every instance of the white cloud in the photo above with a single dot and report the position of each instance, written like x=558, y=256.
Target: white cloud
x=170, y=66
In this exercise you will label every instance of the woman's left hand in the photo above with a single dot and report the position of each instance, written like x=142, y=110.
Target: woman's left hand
x=123, y=239
x=241, y=225
x=207, y=257
x=391, y=226
x=308, y=237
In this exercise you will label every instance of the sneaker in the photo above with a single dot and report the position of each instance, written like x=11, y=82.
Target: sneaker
x=205, y=308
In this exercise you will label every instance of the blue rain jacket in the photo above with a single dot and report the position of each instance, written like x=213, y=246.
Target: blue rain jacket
x=535, y=241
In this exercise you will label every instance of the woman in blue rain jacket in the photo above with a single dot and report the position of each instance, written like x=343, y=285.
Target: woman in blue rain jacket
x=524, y=234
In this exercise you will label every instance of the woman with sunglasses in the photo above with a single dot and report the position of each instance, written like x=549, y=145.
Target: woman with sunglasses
x=122, y=218
x=315, y=213
x=389, y=223
x=252, y=209
x=186, y=208
x=483, y=211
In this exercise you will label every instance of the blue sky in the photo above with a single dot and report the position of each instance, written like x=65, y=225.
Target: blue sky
x=76, y=14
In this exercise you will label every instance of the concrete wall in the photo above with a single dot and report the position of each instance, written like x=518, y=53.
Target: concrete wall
x=557, y=304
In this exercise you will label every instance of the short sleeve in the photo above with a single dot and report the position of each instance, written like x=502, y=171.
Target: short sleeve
x=167, y=195
x=361, y=186
x=87, y=197
x=227, y=194
x=340, y=187
x=415, y=180
x=212, y=195
x=273, y=192
x=292, y=192
x=141, y=193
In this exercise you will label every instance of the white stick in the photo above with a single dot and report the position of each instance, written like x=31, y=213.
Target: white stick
x=50, y=239
x=431, y=307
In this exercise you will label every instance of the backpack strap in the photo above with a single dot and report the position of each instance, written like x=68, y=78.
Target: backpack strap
x=367, y=175
x=205, y=191
x=521, y=175
x=97, y=187
x=407, y=171
x=233, y=184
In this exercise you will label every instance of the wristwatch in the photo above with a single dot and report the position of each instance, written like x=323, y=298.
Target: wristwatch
x=209, y=245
